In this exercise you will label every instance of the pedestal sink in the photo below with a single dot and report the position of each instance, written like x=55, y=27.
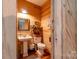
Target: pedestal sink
x=25, y=37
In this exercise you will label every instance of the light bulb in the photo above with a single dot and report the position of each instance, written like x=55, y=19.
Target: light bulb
x=24, y=11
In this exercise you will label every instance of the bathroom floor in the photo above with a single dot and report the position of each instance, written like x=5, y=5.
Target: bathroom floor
x=34, y=55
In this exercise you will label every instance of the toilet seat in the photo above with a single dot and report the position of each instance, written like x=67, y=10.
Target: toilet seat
x=41, y=45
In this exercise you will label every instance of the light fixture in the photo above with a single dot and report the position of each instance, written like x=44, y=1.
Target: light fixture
x=24, y=11
x=23, y=14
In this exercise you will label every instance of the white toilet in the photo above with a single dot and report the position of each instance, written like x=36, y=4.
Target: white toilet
x=41, y=46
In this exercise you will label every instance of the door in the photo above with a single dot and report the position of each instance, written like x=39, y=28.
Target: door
x=69, y=29
x=65, y=29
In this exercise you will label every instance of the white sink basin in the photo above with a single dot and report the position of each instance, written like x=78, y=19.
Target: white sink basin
x=27, y=37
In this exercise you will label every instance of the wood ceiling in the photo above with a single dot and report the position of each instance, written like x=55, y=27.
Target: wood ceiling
x=37, y=2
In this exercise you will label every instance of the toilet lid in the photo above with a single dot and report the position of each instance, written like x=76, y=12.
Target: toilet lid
x=37, y=40
x=41, y=45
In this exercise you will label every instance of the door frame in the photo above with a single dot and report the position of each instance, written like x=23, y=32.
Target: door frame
x=56, y=19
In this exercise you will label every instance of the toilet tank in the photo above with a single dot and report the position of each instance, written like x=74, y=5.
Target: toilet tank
x=37, y=39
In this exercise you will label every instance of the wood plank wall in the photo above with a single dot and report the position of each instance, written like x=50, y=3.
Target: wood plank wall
x=46, y=9
x=33, y=12
x=65, y=33
x=31, y=8
x=45, y=20
x=69, y=29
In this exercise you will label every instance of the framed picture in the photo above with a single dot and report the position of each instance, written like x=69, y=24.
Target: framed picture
x=23, y=24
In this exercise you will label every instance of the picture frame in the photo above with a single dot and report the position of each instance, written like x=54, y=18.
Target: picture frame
x=23, y=24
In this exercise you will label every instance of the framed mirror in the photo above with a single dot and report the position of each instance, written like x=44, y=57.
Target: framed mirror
x=23, y=24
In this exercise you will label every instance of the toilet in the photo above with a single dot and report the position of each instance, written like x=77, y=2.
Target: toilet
x=41, y=46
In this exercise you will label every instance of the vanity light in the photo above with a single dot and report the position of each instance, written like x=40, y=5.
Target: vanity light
x=24, y=11
x=23, y=14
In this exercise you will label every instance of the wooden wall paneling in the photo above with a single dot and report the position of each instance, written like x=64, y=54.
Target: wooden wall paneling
x=65, y=29
x=47, y=13
x=69, y=29
x=33, y=12
x=46, y=9
x=45, y=18
x=31, y=8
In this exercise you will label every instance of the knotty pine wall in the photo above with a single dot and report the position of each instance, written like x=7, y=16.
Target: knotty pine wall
x=69, y=29
x=41, y=14
x=33, y=13
x=65, y=33
x=31, y=8
x=45, y=23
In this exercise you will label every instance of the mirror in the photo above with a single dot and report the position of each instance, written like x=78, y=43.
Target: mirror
x=23, y=24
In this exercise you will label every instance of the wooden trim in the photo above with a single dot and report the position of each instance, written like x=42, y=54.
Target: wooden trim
x=57, y=30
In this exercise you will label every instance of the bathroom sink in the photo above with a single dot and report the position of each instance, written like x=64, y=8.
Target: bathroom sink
x=27, y=37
